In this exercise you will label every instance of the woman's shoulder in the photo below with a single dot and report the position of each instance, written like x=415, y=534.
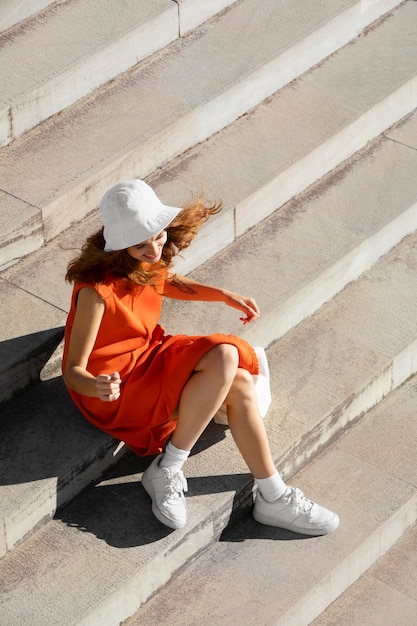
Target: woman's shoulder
x=103, y=290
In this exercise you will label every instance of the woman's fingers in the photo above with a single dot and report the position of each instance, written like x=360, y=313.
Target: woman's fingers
x=247, y=305
x=108, y=386
x=251, y=309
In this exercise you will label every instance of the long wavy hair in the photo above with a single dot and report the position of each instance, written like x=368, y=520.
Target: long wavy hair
x=95, y=266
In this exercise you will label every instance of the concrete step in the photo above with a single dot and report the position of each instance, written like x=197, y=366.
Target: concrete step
x=315, y=244
x=70, y=49
x=58, y=455
x=384, y=595
x=12, y=12
x=91, y=145
x=259, y=576
x=104, y=555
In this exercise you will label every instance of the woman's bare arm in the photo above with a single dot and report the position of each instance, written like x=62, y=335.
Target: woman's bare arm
x=184, y=288
x=87, y=320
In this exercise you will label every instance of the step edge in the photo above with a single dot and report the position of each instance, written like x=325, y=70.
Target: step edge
x=56, y=492
x=42, y=5
x=352, y=567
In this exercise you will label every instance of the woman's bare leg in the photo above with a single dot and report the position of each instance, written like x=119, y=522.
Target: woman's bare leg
x=204, y=394
x=247, y=426
x=217, y=380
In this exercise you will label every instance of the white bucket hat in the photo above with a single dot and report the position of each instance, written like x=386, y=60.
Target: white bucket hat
x=131, y=213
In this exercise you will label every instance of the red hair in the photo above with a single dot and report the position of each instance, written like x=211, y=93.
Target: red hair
x=94, y=265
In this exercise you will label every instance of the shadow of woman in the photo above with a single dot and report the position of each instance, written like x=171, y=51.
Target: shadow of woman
x=117, y=509
x=119, y=514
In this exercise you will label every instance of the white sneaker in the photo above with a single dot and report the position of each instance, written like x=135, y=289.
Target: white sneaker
x=295, y=512
x=166, y=489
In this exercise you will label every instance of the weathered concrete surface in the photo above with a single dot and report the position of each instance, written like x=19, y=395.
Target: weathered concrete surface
x=385, y=595
x=21, y=229
x=28, y=337
x=13, y=13
x=405, y=133
x=72, y=48
x=48, y=453
x=316, y=243
x=124, y=145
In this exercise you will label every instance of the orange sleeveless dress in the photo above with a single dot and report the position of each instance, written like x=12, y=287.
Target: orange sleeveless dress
x=154, y=367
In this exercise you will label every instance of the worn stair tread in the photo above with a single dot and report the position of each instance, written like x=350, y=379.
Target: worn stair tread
x=385, y=595
x=192, y=13
x=55, y=452
x=64, y=36
x=13, y=13
x=325, y=374
x=314, y=245
x=257, y=575
x=122, y=144
x=70, y=49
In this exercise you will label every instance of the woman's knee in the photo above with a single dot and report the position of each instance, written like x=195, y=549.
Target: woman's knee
x=228, y=355
x=223, y=358
x=242, y=386
x=243, y=379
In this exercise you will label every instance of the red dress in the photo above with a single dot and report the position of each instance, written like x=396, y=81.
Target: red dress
x=153, y=367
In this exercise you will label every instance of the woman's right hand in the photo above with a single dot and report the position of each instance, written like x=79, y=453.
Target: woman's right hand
x=108, y=386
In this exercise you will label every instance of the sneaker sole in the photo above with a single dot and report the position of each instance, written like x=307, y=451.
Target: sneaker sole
x=156, y=512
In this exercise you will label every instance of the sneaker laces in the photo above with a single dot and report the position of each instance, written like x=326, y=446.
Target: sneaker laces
x=175, y=483
x=301, y=505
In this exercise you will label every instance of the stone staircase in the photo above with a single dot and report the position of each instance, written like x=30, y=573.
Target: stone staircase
x=301, y=119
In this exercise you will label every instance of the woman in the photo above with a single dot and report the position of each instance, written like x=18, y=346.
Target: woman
x=155, y=392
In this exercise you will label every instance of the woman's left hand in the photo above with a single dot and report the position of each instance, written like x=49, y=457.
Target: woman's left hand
x=242, y=303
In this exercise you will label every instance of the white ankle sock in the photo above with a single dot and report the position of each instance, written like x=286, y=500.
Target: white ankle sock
x=174, y=457
x=272, y=487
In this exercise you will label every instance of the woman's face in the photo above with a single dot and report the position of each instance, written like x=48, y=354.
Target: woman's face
x=149, y=251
